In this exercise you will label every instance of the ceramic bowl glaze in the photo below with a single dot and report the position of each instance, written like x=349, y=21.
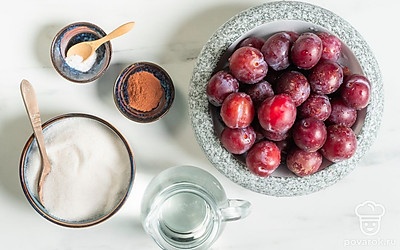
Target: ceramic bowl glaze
x=34, y=200
x=71, y=35
x=263, y=21
x=121, y=97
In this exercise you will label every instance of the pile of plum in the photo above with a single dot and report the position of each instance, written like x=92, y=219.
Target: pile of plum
x=288, y=98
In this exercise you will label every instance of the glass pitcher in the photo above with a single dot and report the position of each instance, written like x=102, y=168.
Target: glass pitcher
x=185, y=207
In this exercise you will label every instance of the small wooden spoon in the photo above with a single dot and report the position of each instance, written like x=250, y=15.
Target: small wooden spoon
x=32, y=108
x=86, y=49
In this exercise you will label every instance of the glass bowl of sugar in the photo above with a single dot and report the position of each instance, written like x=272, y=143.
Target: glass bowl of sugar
x=92, y=170
x=73, y=68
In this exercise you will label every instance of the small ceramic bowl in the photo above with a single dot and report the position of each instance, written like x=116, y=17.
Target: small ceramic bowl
x=71, y=35
x=121, y=97
x=263, y=21
x=31, y=193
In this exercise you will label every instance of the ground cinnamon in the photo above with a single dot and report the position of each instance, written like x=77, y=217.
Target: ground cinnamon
x=144, y=91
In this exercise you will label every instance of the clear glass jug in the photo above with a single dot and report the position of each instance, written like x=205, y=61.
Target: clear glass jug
x=185, y=207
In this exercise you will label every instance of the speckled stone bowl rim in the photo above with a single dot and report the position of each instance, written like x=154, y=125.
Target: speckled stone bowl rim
x=216, y=46
x=35, y=203
x=57, y=36
x=128, y=70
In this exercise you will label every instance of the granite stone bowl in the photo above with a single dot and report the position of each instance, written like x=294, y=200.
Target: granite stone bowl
x=121, y=96
x=70, y=35
x=31, y=192
x=263, y=21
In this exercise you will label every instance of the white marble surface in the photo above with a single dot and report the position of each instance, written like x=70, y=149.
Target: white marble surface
x=171, y=33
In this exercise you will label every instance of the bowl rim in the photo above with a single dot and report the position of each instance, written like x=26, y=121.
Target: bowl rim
x=32, y=200
x=216, y=46
x=86, y=24
x=169, y=82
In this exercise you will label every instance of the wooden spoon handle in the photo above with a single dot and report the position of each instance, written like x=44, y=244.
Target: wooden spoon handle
x=123, y=29
x=32, y=108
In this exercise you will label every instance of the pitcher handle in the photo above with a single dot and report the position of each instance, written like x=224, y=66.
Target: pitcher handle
x=236, y=209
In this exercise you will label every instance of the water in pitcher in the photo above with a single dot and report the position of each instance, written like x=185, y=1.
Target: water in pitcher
x=185, y=217
x=186, y=207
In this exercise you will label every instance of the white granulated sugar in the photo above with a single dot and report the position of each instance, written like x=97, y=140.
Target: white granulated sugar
x=76, y=62
x=90, y=169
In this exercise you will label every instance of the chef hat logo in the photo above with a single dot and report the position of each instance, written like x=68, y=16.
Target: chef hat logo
x=370, y=214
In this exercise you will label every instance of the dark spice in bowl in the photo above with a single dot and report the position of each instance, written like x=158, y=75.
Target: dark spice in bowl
x=144, y=91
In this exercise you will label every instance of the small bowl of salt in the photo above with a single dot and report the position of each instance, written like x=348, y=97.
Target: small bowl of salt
x=73, y=68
